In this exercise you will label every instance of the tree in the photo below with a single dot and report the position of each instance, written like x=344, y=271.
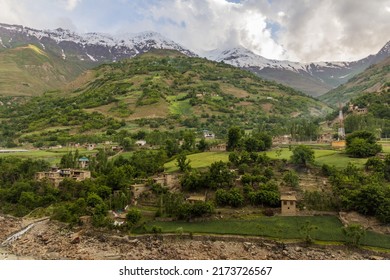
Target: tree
x=220, y=176
x=172, y=147
x=193, y=181
x=361, y=144
x=202, y=145
x=368, y=198
x=188, y=140
x=353, y=234
x=127, y=143
x=306, y=230
x=232, y=197
x=387, y=168
x=133, y=216
x=67, y=161
x=302, y=155
x=291, y=179
x=234, y=136
x=183, y=163
x=265, y=138
x=252, y=144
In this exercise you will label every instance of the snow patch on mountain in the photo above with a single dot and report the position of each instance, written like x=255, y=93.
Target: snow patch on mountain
x=244, y=58
x=131, y=44
x=91, y=57
x=1, y=43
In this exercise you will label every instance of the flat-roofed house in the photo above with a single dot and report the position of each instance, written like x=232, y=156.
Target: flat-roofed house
x=288, y=204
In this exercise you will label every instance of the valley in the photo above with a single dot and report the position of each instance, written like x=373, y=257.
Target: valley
x=135, y=147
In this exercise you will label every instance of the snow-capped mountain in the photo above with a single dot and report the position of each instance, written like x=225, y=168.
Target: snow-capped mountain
x=241, y=57
x=313, y=78
x=93, y=47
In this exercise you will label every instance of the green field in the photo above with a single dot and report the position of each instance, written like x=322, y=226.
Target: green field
x=328, y=228
x=330, y=157
x=52, y=156
x=386, y=148
x=340, y=160
x=200, y=160
x=180, y=108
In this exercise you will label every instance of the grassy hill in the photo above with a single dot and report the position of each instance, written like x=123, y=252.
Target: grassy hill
x=374, y=79
x=29, y=70
x=160, y=89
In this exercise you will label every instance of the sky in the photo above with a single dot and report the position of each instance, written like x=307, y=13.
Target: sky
x=297, y=30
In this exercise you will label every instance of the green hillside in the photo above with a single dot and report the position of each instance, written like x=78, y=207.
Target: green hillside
x=377, y=118
x=29, y=71
x=161, y=89
x=375, y=78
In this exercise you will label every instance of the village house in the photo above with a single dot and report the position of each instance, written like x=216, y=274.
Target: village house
x=116, y=148
x=140, y=143
x=166, y=179
x=288, y=204
x=325, y=138
x=137, y=190
x=196, y=198
x=281, y=140
x=90, y=147
x=218, y=148
x=356, y=110
x=56, y=175
x=208, y=135
x=83, y=162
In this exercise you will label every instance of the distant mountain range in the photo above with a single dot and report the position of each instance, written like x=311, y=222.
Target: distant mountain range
x=84, y=51
x=314, y=78
x=95, y=47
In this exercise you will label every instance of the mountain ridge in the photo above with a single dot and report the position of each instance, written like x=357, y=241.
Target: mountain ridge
x=313, y=78
x=320, y=76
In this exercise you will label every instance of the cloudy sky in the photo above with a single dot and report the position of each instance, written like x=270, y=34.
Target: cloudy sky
x=300, y=30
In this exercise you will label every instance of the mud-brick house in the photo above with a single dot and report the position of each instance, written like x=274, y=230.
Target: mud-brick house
x=196, y=198
x=166, y=179
x=218, y=148
x=288, y=204
x=56, y=175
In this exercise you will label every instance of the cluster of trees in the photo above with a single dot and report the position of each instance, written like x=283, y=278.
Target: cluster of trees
x=217, y=176
x=255, y=142
x=377, y=120
x=362, y=144
x=175, y=205
x=258, y=181
x=366, y=192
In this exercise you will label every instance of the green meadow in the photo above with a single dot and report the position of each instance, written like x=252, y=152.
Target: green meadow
x=327, y=228
x=322, y=156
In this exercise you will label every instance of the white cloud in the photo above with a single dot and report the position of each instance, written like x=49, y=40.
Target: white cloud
x=72, y=4
x=332, y=30
x=8, y=12
x=211, y=24
x=279, y=29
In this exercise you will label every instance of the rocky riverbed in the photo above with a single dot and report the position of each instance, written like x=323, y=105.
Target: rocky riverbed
x=52, y=240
